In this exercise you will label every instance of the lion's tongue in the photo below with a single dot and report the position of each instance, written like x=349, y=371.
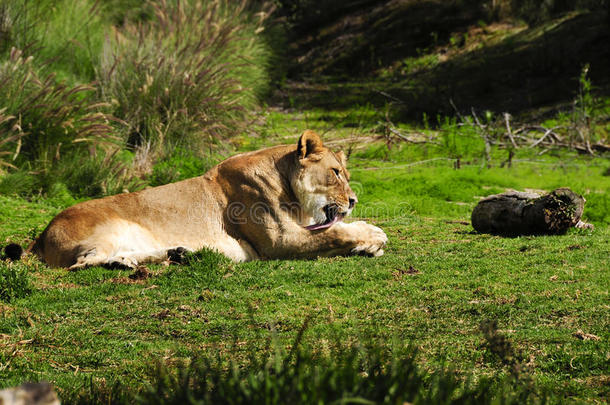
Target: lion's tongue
x=326, y=224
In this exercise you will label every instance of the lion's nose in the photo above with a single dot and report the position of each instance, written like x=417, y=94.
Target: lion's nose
x=352, y=202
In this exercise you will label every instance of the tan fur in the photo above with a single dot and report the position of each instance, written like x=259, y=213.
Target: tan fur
x=251, y=206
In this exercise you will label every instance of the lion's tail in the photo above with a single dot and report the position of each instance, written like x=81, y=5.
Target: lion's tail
x=12, y=251
x=15, y=252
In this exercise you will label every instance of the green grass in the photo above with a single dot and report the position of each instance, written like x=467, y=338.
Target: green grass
x=434, y=286
x=14, y=282
x=65, y=36
x=364, y=372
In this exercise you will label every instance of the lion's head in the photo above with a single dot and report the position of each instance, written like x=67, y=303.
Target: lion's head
x=321, y=183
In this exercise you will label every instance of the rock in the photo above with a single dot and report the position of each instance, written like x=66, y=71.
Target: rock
x=29, y=394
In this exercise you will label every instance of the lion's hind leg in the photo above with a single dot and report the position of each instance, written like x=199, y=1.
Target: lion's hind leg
x=104, y=258
x=121, y=244
x=128, y=259
x=90, y=258
x=131, y=259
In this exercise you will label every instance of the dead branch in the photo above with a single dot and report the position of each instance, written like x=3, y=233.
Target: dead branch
x=508, y=130
x=548, y=132
x=584, y=140
x=388, y=95
x=486, y=138
x=390, y=128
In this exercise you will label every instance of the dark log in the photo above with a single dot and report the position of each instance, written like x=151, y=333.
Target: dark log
x=516, y=213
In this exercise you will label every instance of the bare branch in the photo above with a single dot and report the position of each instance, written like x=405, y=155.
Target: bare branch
x=508, y=130
x=547, y=132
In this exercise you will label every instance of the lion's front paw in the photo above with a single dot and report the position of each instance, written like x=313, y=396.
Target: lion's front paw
x=370, y=239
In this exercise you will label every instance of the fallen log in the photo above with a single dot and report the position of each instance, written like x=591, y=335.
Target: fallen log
x=517, y=213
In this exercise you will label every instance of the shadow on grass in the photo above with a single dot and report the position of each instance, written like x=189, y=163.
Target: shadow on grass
x=532, y=70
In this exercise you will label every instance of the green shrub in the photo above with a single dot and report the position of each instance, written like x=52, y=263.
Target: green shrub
x=42, y=119
x=94, y=176
x=179, y=73
x=187, y=77
x=14, y=281
x=19, y=183
x=180, y=165
x=76, y=175
x=66, y=36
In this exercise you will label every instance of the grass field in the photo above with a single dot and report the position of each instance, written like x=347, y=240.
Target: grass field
x=436, y=283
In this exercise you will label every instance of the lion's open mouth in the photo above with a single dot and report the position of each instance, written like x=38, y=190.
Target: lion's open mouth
x=332, y=217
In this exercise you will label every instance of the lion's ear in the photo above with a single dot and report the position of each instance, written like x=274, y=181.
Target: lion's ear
x=342, y=158
x=309, y=144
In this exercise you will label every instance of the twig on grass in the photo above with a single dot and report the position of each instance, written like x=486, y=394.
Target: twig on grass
x=550, y=132
x=390, y=127
x=507, y=118
x=391, y=97
x=485, y=135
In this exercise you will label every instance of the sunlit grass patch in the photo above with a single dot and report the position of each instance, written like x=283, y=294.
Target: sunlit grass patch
x=14, y=281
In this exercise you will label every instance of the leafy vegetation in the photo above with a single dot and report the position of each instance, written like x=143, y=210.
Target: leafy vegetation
x=188, y=76
x=169, y=75
x=14, y=282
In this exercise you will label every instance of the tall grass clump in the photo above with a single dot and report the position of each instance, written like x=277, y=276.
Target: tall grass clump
x=187, y=77
x=43, y=118
x=368, y=373
x=14, y=281
x=65, y=36
x=43, y=121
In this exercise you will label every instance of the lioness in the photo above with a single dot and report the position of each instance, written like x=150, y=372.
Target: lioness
x=281, y=202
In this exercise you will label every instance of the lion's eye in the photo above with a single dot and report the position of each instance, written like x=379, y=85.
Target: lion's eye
x=336, y=171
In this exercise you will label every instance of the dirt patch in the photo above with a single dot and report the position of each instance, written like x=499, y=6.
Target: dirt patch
x=579, y=334
x=140, y=273
x=163, y=314
x=400, y=273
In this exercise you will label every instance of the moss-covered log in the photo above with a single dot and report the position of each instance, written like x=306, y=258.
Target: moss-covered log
x=517, y=213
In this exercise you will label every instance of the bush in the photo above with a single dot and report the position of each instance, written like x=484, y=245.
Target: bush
x=66, y=36
x=95, y=176
x=42, y=119
x=19, y=183
x=14, y=281
x=189, y=76
x=181, y=165
x=180, y=74
x=75, y=176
